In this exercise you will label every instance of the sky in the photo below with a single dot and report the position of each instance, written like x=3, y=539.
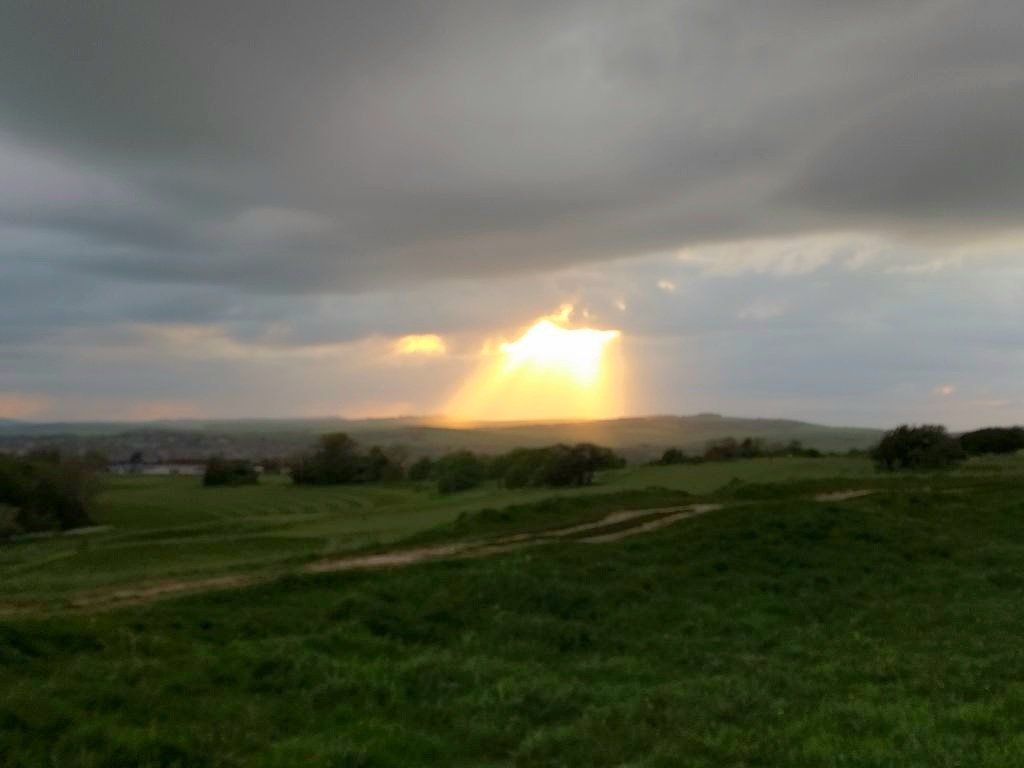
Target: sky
x=798, y=208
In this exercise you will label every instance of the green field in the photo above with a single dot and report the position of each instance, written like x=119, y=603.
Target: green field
x=779, y=631
x=173, y=527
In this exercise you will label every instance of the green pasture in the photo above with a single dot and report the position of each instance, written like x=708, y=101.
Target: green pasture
x=159, y=528
x=172, y=527
x=780, y=631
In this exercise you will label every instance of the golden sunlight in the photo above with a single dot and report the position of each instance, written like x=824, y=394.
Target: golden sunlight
x=552, y=371
x=420, y=344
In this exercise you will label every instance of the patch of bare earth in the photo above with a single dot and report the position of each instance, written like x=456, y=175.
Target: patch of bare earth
x=843, y=495
x=652, y=525
x=162, y=589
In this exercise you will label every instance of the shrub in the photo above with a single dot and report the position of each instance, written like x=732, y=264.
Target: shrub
x=459, y=471
x=917, y=447
x=9, y=525
x=221, y=472
x=677, y=456
x=422, y=469
x=993, y=440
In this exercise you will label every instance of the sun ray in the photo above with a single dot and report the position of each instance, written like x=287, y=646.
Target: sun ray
x=551, y=371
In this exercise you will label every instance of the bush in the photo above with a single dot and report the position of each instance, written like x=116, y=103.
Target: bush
x=673, y=456
x=221, y=472
x=9, y=526
x=422, y=469
x=925, y=447
x=458, y=471
x=47, y=490
x=993, y=440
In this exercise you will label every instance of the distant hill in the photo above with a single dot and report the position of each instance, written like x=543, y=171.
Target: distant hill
x=639, y=438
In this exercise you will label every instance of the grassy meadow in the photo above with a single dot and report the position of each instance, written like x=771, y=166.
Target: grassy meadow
x=170, y=527
x=778, y=631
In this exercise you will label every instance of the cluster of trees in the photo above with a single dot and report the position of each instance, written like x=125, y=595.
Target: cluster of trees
x=930, y=446
x=554, y=466
x=46, y=490
x=729, y=449
x=220, y=471
x=338, y=459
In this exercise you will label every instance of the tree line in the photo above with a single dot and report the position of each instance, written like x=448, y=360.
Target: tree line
x=730, y=449
x=338, y=459
x=931, y=446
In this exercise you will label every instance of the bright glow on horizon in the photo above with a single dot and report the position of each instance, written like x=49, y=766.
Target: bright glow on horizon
x=550, y=371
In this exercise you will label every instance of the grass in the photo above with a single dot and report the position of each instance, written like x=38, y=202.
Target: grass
x=164, y=528
x=779, y=631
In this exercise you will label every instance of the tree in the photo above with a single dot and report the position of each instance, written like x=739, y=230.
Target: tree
x=555, y=465
x=576, y=465
x=928, y=446
x=459, y=471
x=9, y=526
x=993, y=440
x=225, y=472
x=725, y=449
x=48, y=490
x=375, y=466
x=338, y=460
x=672, y=456
x=422, y=469
x=335, y=461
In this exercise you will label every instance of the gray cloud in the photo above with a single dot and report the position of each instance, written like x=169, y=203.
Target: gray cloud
x=466, y=139
x=320, y=173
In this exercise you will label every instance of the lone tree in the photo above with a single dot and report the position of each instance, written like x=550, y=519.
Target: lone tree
x=928, y=446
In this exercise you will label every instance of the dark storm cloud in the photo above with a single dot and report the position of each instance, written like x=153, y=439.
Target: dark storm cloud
x=327, y=146
x=235, y=207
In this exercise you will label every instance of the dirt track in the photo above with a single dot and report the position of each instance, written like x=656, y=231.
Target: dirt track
x=650, y=520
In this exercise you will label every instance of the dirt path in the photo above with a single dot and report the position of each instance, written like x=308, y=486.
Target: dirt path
x=843, y=495
x=652, y=525
x=649, y=520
